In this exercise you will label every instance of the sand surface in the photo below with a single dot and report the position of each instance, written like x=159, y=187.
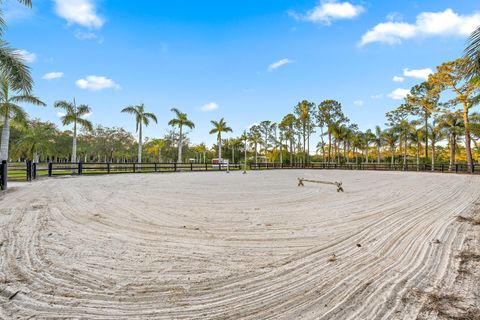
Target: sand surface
x=232, y=246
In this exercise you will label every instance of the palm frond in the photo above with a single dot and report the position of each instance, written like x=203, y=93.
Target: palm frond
x=65, y=105
x=14, y=68
x=26, y=98
x=83, y=110
x=85, y=123
x=130, y=109
x=177, y=112
x=150, y=116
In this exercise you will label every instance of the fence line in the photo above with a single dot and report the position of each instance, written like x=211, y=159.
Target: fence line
x=445, y=168
x=28, y=171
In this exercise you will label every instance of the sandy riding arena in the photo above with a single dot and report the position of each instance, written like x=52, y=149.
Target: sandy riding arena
x=231, y=246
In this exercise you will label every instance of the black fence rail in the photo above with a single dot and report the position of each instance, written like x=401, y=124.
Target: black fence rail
x=28, y=171
x=446, y=168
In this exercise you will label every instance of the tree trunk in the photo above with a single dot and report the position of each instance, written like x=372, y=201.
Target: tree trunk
x=219, y=141
x=405, y=150
x=426, y=136
x=418, y=156
x=74, y=143
x=180, y=145
x=139, y=156
x=323, y=144
x=329, y=146
x=5, y=139
x=393, y=153
x=453, y=146
x=433, y=155
x=468, y=147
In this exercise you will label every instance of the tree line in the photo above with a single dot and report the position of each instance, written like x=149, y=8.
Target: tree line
x=435, y=123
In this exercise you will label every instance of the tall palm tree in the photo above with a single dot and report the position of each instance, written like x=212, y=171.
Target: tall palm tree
x=453, y=126
x=435, y=135
x=391, y=136
x=378, y=141
x=255, y=137
x=9, y=109
x=218, y=128
x=141, y=118
x=74, y=115
x=181, y=120
x=367, y=139
x=12, y=63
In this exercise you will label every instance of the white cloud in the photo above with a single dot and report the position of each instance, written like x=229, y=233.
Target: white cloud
x=330, y=10
x=52, y=75
x=419, y=74
x=358, y=103
x=279, y=64
x=398, y=79
x=96, y=83
x=209, y=107
x=85, y=35
x=29, y=57
x=60, y=114
x=427, y=24
x=376, y=96
x=399, y=94
x=81, y=12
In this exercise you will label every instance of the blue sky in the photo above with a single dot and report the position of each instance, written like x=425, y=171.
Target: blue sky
x=253, y=60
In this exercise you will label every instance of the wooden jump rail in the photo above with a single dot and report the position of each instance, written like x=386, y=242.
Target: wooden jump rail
x=337, y=184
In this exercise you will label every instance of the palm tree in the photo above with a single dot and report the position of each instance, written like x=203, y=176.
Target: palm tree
x=155, y=147
x=12, y=63
x=9, y=109
x=218, y=128
x=141, y=118
x=378, y=141
x=390, y=137
x=74, y=115
x=435, y=135
x=453, y=127
x=367, y=139
x=181, y=120
x=37, y=139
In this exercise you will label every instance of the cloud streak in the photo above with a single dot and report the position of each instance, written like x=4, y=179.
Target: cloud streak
x=279, y=64
x=52, y=75
x=209, y=107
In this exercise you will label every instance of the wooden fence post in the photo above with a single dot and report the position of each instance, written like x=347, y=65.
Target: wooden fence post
x=29, y=170
x=3, y=175
x=80, y=168
x=174, y=167
x=134, y=167
x=34, y=171
x=191, y=166
x=50, y=169
x=108, y=167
